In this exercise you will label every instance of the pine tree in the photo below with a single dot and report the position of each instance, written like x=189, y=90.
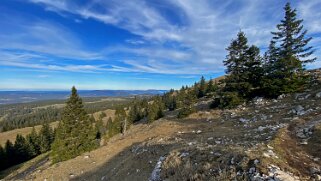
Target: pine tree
x=151, y=112
x=195, y=89
x=253, y=69
x=293, y=41
x=244, y=67
x=287, y=56
x=10, y=153
x=22, y=149
x=75, y=133
x=121, y=119
x=135, y=112
x=202, y=88
x=111, y=128
x=211, y=87
x=34, y=141
x=45, y=138
x=187, y=102
x=235, y=63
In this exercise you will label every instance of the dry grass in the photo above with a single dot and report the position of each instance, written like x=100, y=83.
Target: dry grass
x=11, y=135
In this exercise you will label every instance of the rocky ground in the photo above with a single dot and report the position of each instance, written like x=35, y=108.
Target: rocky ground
x=278, y=139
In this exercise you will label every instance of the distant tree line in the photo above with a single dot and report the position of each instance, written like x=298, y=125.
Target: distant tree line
x=27, y=115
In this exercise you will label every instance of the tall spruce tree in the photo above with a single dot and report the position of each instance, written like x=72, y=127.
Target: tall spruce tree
x=10, y=153
x=253, y=69
x=202, y=88
x=243, y=66
x=34, y=141
x=46, y=138
x=121, y=120
x=287, y=56
x=22, y=149
x=75, y=133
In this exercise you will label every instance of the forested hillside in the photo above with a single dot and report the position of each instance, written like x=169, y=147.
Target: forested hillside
x=15, y=116
x=243, y=126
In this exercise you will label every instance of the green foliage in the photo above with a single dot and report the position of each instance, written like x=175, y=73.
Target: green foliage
x=211, y=87
x=36, y=113
x=227, y=100
x=26, y=148
x=287, y=56
x=170, y=101
x=185, y=111
x=113, y=128
x=22, y=149
x=46, y=138
x=243, y=67
x=75, y=133
x=202, y=88
x=34, y=141
x=188, y=99
x=121, y=120
x=137, y=111
x=155, y=109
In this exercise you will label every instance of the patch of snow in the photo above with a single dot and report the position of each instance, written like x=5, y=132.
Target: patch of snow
x=156, y=174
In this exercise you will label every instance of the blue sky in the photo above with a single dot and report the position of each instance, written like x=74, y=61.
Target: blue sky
x=136, y=44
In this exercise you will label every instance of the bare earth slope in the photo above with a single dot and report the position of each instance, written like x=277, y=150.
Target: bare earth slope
x=265, y=139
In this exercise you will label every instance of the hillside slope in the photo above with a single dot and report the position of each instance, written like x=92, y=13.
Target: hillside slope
x=263, y=139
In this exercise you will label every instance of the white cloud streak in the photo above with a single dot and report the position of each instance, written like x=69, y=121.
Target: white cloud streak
x=193, y=43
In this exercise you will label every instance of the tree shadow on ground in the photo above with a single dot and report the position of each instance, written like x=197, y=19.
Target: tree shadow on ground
x=135, y=162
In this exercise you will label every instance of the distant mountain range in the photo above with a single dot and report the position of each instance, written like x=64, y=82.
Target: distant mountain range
x=9, y=97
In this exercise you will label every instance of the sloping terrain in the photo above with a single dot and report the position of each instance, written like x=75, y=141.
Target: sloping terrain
x=276, y=139
x=11, y=135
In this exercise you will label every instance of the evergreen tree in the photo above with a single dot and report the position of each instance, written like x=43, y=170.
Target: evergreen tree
x=75, y=133
x=211, y=87
x=244, y=67
x=202, y=88
x=121, y=120
x=235, y=63
x=135, y=112
x=195, y=89
x=45, y=138
x=34, y=141
x=112, y=127
x=151, y=112
x=10, y=153
x=253, y=69
x=188, y=104
x=293, y=41
x=22, y=149
x=287, y=56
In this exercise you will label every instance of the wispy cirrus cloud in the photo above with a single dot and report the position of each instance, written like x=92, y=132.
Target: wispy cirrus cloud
x=171, y=36
x=204, y=28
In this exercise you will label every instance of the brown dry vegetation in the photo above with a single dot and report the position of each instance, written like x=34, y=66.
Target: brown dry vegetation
x=207, y=145
x=11, y=135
